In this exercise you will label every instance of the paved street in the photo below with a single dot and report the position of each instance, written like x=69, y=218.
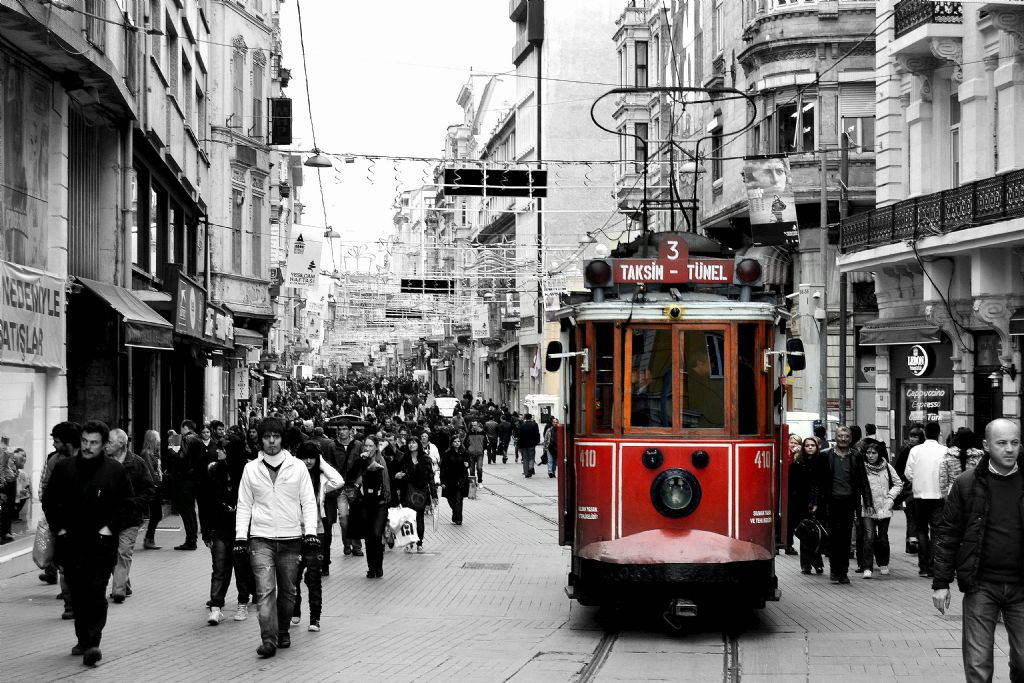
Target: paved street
x=484, y=602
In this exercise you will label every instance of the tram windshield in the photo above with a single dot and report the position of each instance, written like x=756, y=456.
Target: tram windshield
x=651, y=378
x=703, y=379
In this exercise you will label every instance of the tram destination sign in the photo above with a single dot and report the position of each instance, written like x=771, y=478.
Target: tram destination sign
x=673, y=265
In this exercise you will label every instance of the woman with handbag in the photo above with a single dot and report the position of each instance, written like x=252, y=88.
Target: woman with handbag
x=807, y=489
x=884, y=485
x=370, y=509
x=419, y=487
x=455, y=477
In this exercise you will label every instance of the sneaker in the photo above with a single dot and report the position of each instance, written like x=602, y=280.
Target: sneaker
x=150, y=544
x=216, y=616
x=267, y=649
x=867, y=574
x=884, y=571
x=296, y=620
x=419, y=547
x=922, y=574
x=284, y=640
x=91, y=656
x=242, y=611
x=844, y=579
x=186, y=546
x=832, y=578
x=314, y=625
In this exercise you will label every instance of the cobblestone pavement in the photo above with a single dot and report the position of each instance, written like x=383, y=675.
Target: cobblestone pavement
x=485, y=602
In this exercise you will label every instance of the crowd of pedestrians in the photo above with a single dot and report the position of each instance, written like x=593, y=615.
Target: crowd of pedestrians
x=264, y=496
x=964, y=503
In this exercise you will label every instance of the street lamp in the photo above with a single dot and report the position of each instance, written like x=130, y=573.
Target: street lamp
x=318, y=160
x=332, y=234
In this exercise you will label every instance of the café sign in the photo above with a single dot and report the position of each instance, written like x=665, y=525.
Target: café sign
x=920, y=360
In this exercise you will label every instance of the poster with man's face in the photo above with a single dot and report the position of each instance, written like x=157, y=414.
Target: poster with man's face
x=772, y=205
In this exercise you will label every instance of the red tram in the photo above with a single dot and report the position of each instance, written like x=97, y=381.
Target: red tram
x=669, y=482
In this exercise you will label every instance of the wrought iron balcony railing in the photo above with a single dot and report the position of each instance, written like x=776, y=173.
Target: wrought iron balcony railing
x=913, y=13
x=984, y=201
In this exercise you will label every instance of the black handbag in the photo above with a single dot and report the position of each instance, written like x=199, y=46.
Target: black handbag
x=417, y=498
x=812, y=532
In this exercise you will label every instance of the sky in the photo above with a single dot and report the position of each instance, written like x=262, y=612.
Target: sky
x=383, y=78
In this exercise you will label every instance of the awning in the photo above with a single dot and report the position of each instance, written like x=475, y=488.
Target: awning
x=506, y=347
x=1017, y=322
x=774, y=263
x=143, y=327
x=244, y=337
x=274, y=375
x=885, y=332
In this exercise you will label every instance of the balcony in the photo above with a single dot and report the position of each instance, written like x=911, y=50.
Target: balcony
x=984, y=201
x=911, y=14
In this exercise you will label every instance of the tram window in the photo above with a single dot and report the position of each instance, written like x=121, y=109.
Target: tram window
x=704, y=379
x=746, y=379
x=651, y=378
x=604, y=376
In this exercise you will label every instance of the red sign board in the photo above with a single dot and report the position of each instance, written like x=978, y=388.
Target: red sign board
x=673, y=266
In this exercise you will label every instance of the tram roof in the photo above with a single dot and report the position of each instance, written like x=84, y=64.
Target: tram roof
x=723, y=309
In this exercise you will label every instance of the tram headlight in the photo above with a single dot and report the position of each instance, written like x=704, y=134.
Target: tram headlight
x=675, y=493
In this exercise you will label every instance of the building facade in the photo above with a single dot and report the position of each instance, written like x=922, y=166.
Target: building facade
x=943, y=246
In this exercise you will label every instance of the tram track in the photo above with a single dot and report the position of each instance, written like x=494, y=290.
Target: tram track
x=550, y=520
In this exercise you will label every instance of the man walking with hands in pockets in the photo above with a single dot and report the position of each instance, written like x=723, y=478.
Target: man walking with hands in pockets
x=275, y=503
x=980, y=537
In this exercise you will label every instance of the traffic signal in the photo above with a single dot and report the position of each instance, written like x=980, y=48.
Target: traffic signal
x=748, y=272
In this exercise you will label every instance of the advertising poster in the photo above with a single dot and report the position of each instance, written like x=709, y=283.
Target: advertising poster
x=304, y=247
x=31, y=317
x=772, y=206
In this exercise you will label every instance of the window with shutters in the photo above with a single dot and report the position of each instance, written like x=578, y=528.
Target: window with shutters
x=954, y=140
x=237, y=199
x=186, y=90
x=641, y=63
x=257, y=236
x=172, y=61
x=640, y=146
x=237, y=88
x=857, y=115
x=257, y=101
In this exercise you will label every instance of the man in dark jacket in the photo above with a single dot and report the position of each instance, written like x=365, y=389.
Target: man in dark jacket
x=188, y=471
x=529, y=438
x=504, y=436
x=848, y=489
x=87, y=502
x=143, y=488
x=981, y=537
x=347, y=450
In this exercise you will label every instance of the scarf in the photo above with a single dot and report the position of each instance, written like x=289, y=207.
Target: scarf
x=882, y=464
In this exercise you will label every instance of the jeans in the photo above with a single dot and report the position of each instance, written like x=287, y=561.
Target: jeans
x=125, y=550
x=344, y=507
x=875, y=546
x=275, y=568
x=310, y=566
x=503, y=449
x=185, y=504
x=981, y=610
x=156, y=513
x=552, y=463
x=929, y=513
x=87, y=565
x=223, y=559
x=910, y=511
x=491, y=448
x=529, y=454
x=840, y=529
x=476, y=464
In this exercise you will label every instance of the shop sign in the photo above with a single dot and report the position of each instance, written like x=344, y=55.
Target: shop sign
x=919, y=360
x=189, y=308
x=241, y=385
x=928, y=402
x=31, y=317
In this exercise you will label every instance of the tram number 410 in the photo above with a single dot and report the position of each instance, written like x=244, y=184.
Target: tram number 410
x=588, y=457
x=763, y=460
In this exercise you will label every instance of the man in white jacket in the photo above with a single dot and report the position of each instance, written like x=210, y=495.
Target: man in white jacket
x=276, y=504
x=923, y=465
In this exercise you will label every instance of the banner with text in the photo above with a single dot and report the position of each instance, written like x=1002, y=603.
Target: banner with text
x=772, y=206
x=31, y=317
x=304, y=247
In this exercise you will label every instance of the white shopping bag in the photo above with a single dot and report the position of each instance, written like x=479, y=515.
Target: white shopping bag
x=403, y=523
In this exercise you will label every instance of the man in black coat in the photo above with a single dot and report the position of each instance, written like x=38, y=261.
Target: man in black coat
x=981, y=537
x=529, y=438
x=847, y=486
x=87, y=502
x=189, y=469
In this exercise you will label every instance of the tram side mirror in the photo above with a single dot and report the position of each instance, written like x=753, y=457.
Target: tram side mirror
x=553, y=364
x=795, y=355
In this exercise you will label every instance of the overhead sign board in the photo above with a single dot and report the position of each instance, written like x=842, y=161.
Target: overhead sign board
x=673, y=265
x=32, y=320
x=189, y=308
x=495, y=182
